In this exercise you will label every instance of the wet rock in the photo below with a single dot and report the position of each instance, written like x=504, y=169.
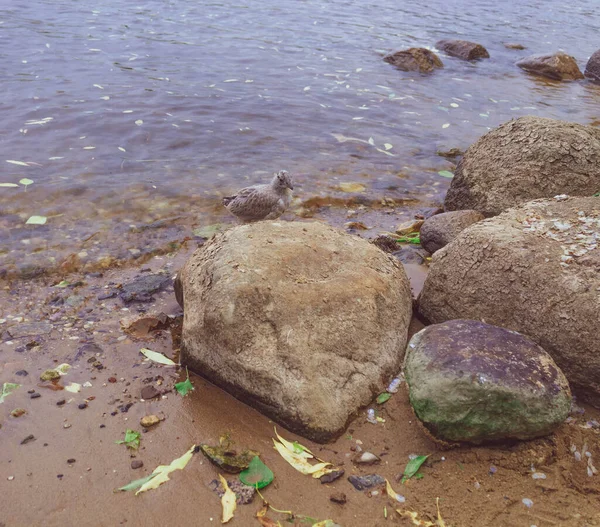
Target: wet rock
x=463, y=49
x=61, y=402
x=149, y=392
x=470, y=381
x=439, y=230
x=592, y=68
x=338, y=497
x=74, y=300
x=82, y=406
x=414, y=59
x=533, y=269
x=124, y=408
x=70, y=461
x=50, y=375
x=513, y=45
x=34, y=395
x=32, y=329
x=28, y=439
x=137, y=463
x=18, y=412
x=525, y=159
x=226, y=457
x=386, y=243
x=409, y=227
x=142, y=288
x=366, y=458
x=106, y=296
x=450, y=154
x=332, y=476
x=268, y=304
x=22, y=373
x=178, y=286
x=244, y=494
x=144, y=327
x=112, y=380
x=411, y=254
x=149, y=420
x=89, y=348
x=558, y=66
x=366, y=482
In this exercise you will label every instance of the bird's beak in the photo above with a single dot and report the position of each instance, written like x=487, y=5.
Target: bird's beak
x=290, y=186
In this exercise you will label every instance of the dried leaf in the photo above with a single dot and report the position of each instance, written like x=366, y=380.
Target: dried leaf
x=161, y=473
x=157, y=357
x=8, y=185
x=393, y=494
x=261, y=516
x=300, y=463
x=227, y=501
x=20, y=163
x=352, y=187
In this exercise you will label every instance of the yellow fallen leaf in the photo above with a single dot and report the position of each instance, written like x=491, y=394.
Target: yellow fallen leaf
x=261, y=516
x=392, y=493
x=414, y=517
x=227, y=501
x=305, y=452
x=440, y=520
x=300, y=463
x=162, y=471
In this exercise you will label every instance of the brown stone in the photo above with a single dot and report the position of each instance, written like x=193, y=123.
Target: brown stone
x=439, y=230
x=534, y=269
x=149, y=420
x=290, y=316
x=513, y=45
x=338, y=497
x=592, y=69
x=463, y=49
x=149, y=392
x=525, y=159
x=414, y=59
x=558, y=66
x=137, y=463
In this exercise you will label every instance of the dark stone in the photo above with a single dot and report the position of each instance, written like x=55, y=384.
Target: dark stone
x=338, y=497
x=34, y=395
x=463, y=49
x=22, y=373
x=366, y=482
x=124, y=408
x=30, y=329
x=28, y=439
x=451, y=154
x=177, y=285
x=592, y=69
x=332, y=476
x=70, y=461
x=414, y=59
x=142, y=288
x=513, y=45
x=386, y=243
x=244, y=494
x=558, y=66
x=106, y=296
x=61, y=402
x=410, y=255
x=439, y=230
x=82, y=406
x=88, y=349
x=137, y=463
x=149, y=392
x=511, y=387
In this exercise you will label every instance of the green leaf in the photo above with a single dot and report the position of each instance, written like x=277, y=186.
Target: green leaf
x=411, y=238
x=26, y=181
x=446, y=173
x=413, y=467
x=132, y=439
x=63, y=283
x=596, y=195
x=298, y=448
x=184, y=387
x=7, y=389
x=383, y=397
x=136, y=484
x=257, y=474
x=36, y=220
x=208, y=231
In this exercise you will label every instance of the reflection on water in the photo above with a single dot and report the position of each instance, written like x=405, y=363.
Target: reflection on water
x=130, y=112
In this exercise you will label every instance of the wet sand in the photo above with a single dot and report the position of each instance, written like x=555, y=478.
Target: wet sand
x=476, y=485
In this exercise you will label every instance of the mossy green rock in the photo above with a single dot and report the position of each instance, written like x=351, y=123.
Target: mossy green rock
x=473, y=382
x=50, y=375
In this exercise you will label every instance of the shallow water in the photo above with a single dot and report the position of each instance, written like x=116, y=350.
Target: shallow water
x=128, y=113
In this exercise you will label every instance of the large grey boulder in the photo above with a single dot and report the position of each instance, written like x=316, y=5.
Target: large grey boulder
x=525, y=159
x=414, y=59
x=439, y=230
x=592, y=68
x=300, y=320
x=557, y=66
x=470, y=381
x=534, y=269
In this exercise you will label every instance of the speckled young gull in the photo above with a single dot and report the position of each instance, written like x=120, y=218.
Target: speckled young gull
x=262, y=202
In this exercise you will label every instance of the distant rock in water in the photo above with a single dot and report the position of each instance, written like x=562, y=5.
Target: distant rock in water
x=533, y=269
x=558, y=66
x=300, y=320
x=414, y=59
x=592, y=69
x=473, y=382
x=525, y=159
x=439, y=230
x=463, y=49
x=513, y=45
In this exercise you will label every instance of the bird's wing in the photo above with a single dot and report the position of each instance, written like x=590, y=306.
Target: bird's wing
x=252, y=203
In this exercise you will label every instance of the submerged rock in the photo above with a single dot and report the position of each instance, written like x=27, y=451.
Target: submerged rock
x=533, y=269
x=514, y=45
x=525, y=159
x=142, y=288
x=470, y=381
x=32, y=329
x=592, y=68
x=463, y=49
x=300, y=320
x=414, y=59
x=439, y=230
x=558, y=66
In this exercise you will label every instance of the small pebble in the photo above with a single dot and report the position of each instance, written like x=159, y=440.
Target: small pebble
x=30, y=391
x=71, y=461
x=338, y=497
x=103, y=426
x=82, y=406
x=22, y=373
x=137, y=463
x=60, y=476
x=538, y=475
x=61, y=402
x=10, y=478
x=527, y=502
x=34, y=395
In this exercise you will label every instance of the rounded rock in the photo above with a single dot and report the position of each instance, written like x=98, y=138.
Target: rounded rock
x=463, y=49
x=473, y=382
x=298, y=319
x=414, y=59
x=439, y=230
x=592, y=68
x=557, y=66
